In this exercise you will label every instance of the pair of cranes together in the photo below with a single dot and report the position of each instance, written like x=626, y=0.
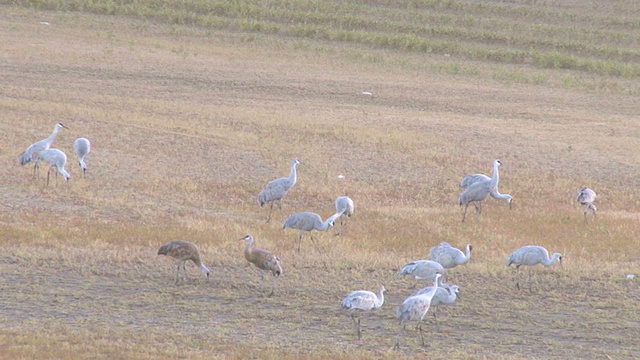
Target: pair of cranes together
x=477, y=187
x=42, y=151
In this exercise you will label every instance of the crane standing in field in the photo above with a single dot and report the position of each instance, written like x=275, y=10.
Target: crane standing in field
x=414, y=308
x=82, y=147
x=445, y=295
x=586, y=197
x=448, y=256
x=275, y=190
x=361, y=301
x=307, y=221
x=531, y=255
x=32, y=152
x=471, y=179
x=344, y=206
x=183, y=251
x=263, y=260
x=55, y=158
x=479, y=190
x=423, y=270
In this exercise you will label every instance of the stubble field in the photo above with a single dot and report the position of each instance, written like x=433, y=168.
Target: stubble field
x=188, y=122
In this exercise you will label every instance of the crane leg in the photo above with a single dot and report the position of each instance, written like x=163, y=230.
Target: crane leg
x=177, y=271
x=270, y=210
x=280, y=207
x=359, y=331
x=421, y=335
x=465, y=212
x=48, y=173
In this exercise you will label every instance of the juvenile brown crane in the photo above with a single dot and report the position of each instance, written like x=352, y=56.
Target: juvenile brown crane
x=263, y=260
x=183, y=251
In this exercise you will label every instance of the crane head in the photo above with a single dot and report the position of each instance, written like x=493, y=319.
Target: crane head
x=61, y=125
x=499, y=162
x=247, y=237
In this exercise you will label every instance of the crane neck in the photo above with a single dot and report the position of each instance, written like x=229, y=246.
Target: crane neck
x=292, y=175
x=325, y=225
x=53, y=134
x=550, y=261
x=247, y=247
x=380, y=298
x=496, y=174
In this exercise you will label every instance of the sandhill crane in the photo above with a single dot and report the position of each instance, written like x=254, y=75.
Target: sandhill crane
x=82, y=147
x=423, y=270
x=307, y=221
x=445, y=295
x=34, y=150
x=263, y=260
x=414, y=308
x=55, y=158
x=586, y=197
x=450, y=257
x=344, y=206
x=531, y=255
x=470, y=179
x=183, y=251
x=360, y=301
x=479, y=190
x=275, y=190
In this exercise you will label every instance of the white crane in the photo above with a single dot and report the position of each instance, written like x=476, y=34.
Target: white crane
x=344, y=206
x=414, y=308
x=586, y=197
x=82, y=147
x=471, y=179
x=55, y=158
x=531, y=255
x=263, y=260
x=32, y=152
x=183, y=251
x=307, y=221
x=422, y=270
x=362, y=301
x=445, y=295
x=479, y=190
x=275, y=190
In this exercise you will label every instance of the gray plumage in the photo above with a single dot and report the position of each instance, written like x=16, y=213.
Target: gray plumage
x=423, y=270
x=183, y=251
x=414, y=308
x=361, y=301
x=82, y=147
x=344, y=206
x=445, y=295
x=32, y=152
x=586, y=197
x=479, y=190
x=531, y=255
x=275, y=190
x=263, y=260
x=450, y=257
x=306, y=222
x=55, y=158
x=495, y=193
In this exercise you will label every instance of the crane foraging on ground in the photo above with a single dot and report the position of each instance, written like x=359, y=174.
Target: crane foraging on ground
x=423, y=270
x=344, y=206
x=263, y=260
x=445, y=295
x=275, y=190
x=586, y=197
x=414, y=308
x=82, y=147
x=307, y=221
x=362, y=301
x=531, y=255
x=471, y=179
x=183, y=251
x=55, y=158
x=478, y=191
x=32, y=152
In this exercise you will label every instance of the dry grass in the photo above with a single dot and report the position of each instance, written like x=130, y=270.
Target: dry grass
x=188, y=124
